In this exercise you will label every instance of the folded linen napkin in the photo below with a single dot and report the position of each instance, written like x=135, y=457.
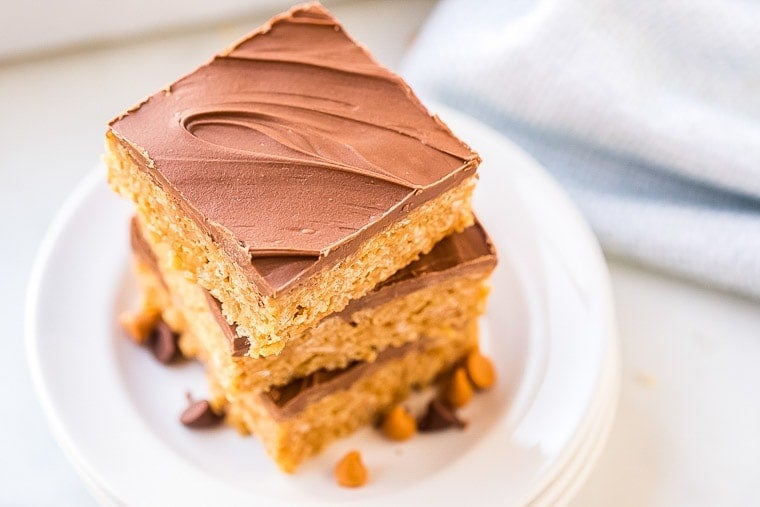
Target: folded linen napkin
x=648, y=113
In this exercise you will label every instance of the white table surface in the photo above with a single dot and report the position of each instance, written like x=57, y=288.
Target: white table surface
x=687, y=431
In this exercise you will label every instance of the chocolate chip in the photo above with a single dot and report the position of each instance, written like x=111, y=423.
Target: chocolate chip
x=200, y=415
x=439, y=417
x=163, y=342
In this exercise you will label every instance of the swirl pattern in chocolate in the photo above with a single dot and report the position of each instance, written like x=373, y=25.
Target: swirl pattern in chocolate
x=293, y=147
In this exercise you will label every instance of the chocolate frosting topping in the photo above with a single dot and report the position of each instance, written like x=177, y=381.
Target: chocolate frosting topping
x=293, y=147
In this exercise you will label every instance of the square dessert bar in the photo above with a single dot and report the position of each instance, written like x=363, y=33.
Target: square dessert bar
x=442, y=291
x=349, y=369
x=298, y=420
x=290, y=175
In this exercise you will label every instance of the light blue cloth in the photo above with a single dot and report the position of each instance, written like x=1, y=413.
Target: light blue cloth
x=648, y=113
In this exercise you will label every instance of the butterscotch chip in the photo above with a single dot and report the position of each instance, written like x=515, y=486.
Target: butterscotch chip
x=458, y=392
x=350, y=471
x=139, y=324
x=399, y=424
x=480, y=370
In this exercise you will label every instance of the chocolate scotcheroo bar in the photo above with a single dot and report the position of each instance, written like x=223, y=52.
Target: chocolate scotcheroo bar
x=349, y=369
x=290, y=175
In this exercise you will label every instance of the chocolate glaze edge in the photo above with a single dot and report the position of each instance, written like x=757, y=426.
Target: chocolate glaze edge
x=143, y=252
x=285, y=402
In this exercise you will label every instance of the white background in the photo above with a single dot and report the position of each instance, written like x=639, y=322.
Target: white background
x=688, y=427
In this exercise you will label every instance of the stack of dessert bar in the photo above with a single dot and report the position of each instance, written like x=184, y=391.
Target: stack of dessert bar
x=304, y=224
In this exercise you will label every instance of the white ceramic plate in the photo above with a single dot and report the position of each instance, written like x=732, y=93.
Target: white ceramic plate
x=549, y=328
